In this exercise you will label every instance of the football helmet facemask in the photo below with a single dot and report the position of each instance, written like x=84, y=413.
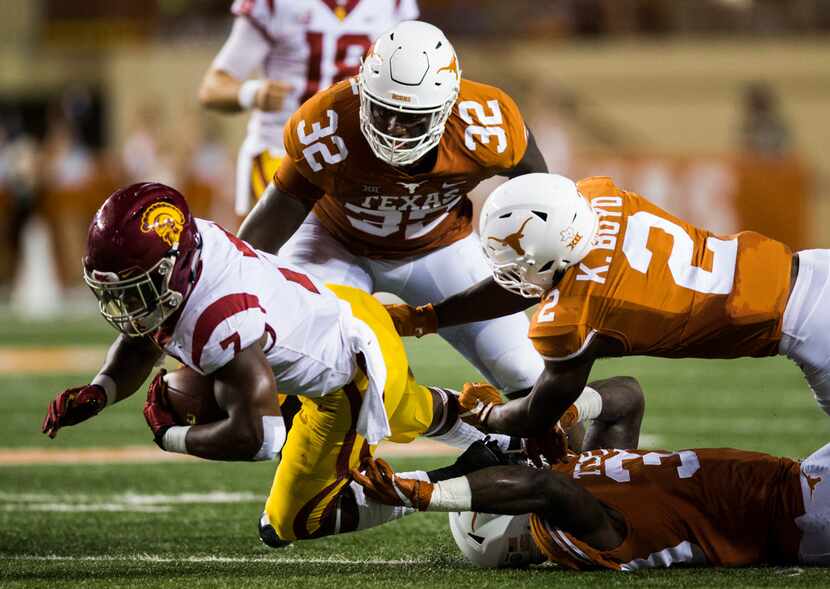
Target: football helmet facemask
x=140, y=250
x=408, y=85
x=532, y=228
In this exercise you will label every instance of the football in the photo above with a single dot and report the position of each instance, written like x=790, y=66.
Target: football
x=190, y=396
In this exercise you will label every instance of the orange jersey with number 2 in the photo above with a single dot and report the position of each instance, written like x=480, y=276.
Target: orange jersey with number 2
x=663, y=287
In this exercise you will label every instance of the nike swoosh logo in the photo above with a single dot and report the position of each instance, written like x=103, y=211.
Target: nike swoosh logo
x=446, y=185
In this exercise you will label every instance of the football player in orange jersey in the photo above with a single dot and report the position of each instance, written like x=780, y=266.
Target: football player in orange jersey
x=626, y=509
x=373, y=192
x=618, y=276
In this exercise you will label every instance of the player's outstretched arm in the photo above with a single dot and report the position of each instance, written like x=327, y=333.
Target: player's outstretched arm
x=254, y=428
x=532, y=161
x=128, y=364
x=514, y=490
x=274, y=219
x=509, y=490
x=559, y=385
x=483, y=301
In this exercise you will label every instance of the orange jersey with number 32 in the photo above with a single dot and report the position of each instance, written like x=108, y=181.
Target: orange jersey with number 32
x=663, y=287
x=381, y=211
x=714, y=506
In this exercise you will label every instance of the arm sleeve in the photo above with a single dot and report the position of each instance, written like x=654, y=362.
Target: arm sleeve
x=244, y=50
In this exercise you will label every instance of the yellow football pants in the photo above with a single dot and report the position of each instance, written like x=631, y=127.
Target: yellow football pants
x=263, y=168
x=322, y=445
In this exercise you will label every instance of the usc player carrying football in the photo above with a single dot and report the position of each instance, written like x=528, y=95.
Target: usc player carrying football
x=254, y=325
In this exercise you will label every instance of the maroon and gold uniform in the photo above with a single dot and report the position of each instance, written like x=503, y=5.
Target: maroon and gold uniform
x=719, y=507
x=662, y=287
x=378, y=210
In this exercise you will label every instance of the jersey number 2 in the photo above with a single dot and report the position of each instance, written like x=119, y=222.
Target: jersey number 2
x=725, y=252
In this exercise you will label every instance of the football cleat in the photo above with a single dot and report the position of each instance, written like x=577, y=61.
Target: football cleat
x=268, y=535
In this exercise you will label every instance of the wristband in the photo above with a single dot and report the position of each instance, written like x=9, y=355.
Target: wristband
x=173, y=439
x=247, y=93
x=589, y=404
x=106, y=382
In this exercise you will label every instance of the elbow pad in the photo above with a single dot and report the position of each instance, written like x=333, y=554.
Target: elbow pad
x=273, y=437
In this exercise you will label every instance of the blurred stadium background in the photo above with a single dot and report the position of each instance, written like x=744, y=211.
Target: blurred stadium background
x=717, y=109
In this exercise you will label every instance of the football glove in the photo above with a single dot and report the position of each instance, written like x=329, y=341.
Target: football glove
x=382, y=484
x=548, y=448
x=73, y=406
x=476, y=401
x=417, y=321
x=157, y=412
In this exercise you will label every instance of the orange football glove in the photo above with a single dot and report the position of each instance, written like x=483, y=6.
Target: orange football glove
x=476, y=400
x=417, y=321
x=382, y=484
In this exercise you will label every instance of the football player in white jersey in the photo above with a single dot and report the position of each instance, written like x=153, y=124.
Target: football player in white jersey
x=185, y=287
x=300, y=46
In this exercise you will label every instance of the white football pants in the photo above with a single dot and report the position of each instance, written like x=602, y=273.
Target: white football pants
x=806, y=330
x=499, y=349
x=815, y=523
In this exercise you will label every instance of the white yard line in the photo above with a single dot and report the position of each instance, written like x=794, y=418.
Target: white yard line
x=145, y=454
x=203, y=559
x=120, y=502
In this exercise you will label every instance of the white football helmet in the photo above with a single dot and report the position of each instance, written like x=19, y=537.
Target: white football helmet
x=408, y=85
x=495, y=541
x=533, y=227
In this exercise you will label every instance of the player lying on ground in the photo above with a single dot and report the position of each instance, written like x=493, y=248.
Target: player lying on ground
x=627, y=509
x=373, y=190
x=618, y=276
x=185, y=287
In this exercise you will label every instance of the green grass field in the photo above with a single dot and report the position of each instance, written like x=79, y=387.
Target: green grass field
x=193, y=524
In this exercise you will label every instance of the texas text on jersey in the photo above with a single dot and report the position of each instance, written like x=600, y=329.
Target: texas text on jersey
x=379, y=210
x=662, y=287
x=719, y=507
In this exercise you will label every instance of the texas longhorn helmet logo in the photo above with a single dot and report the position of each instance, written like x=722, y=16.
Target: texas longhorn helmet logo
x=166, y=220
x=451, y=67
x=514, y=240
x=812, y=482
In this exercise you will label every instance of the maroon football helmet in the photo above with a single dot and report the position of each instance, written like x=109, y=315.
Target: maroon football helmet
x=140, y=253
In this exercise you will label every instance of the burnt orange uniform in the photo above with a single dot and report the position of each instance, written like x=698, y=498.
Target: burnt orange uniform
x=665, y=288
x=378, y=210
x=719, y=507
